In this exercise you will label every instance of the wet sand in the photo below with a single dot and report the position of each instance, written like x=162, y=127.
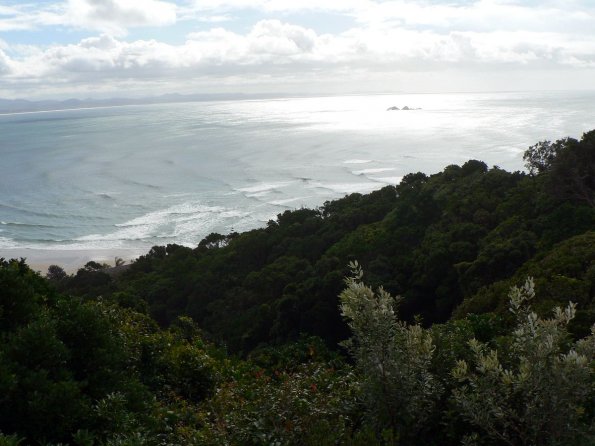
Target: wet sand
x=69, y=260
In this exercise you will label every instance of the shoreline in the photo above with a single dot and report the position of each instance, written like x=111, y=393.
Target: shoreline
x=70, y=260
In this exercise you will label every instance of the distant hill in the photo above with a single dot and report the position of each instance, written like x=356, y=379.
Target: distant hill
x=24, y=106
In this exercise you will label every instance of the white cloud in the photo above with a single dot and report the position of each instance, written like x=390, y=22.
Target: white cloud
x=545, y=15
x=13, y=18
x=268, y=41
x=481, y=15
x=281, y=6
x=116, y=16
x=111, y=16
x=4, y=63
x=396, y=36
x=294, y=49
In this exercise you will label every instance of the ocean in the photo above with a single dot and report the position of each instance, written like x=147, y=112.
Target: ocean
x=132, y=177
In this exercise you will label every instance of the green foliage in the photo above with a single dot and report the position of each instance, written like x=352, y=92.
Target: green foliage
x=567, y=269
x=570, y=165
x=94, y=373
x=23, y=293
x=123, y=362
x=68, y=367
x=533, y=387
x=309, y=405
x=298, y=394
x=10, y=440
x=56, y=273
x=540, y=157
x=537, y=391
x=393, y=361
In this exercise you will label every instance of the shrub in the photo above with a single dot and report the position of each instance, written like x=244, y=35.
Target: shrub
x=393, y=361
x=537, y=391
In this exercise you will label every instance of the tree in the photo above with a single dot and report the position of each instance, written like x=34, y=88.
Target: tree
x=94, y=266
x=569, y=165
x=572, y=174
x=540, y=157
x=56, y=273
x=86, y=372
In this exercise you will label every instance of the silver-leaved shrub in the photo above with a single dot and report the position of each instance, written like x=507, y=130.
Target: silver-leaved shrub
x=393, y=360
x=537, y=390
x=534, y=387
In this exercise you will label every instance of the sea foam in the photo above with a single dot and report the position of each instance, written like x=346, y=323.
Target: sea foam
x=345, y=188
x=356, y=161
x=185, y=222
x=368, y=171
x=175, y=180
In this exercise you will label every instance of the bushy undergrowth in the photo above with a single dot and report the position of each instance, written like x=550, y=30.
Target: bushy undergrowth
x=533, y=386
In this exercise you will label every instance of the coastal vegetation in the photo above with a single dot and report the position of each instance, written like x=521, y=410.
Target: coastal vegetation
x=292, y=335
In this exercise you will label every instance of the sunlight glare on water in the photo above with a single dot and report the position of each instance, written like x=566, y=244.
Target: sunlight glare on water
x=136, y=176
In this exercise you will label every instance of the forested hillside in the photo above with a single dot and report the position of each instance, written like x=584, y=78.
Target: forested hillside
x=436, y=240
x=257, y=338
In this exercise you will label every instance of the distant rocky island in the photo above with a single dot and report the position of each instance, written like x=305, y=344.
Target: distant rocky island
x=404, y=108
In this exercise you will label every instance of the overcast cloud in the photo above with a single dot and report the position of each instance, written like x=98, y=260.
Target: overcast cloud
x=80, y=48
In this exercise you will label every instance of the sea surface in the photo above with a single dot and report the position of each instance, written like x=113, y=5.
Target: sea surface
x=133, y=177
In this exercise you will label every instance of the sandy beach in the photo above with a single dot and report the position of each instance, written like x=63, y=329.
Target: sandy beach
x=69, y=260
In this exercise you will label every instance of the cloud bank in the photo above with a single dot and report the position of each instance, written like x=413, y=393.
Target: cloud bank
x=386, y=38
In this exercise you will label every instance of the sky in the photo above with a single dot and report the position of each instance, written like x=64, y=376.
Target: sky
x=118, y=48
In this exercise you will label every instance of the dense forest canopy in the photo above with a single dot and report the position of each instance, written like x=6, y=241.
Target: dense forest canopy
x=437, y=240
x=242, y=339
